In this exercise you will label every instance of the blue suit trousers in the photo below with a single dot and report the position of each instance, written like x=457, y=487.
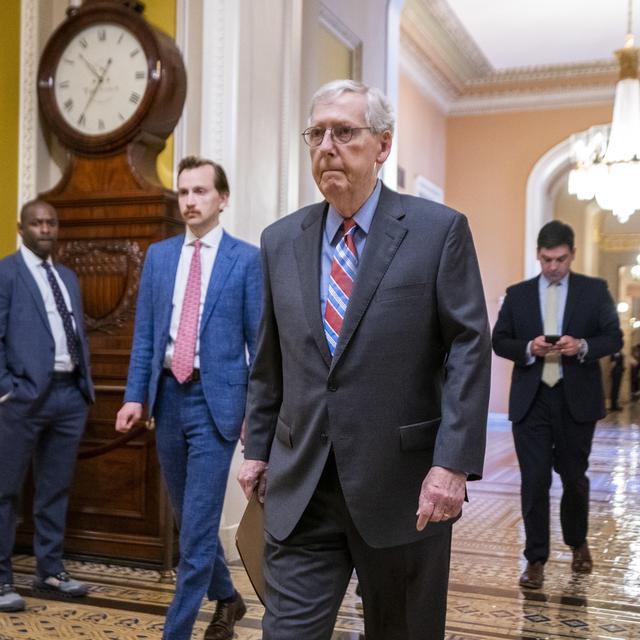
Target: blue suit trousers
x=47, y=434
x=195, y=461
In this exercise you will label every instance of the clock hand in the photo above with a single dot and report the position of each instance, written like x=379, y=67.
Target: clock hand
x=91, y=67
x=95, y=89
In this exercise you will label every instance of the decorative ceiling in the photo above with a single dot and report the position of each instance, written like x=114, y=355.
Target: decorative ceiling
x=488, y=55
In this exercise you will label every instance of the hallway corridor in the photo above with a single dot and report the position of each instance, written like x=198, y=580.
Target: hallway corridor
x=484, y=598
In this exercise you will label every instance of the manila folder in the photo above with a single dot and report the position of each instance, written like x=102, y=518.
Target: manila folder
x=250, y=543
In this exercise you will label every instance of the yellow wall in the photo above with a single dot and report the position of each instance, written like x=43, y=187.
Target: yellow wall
x=9, y=123
x=489, y=159
x=162, y=14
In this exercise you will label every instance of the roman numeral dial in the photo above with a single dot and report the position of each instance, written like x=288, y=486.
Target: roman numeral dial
x=101, y=79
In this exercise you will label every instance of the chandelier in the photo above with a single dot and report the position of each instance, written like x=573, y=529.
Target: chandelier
x=607, y=157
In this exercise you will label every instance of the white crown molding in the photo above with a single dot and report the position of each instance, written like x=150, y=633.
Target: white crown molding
x=583, y=71
x=429, y=83
x=184, y=26
x=532, y=100
x=440, y=57
x=29, y=48
x=289, y=168
x=435, y=88
x=442, y=38
x=465, y=45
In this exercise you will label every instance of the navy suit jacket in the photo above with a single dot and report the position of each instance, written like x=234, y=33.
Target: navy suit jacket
x=228, y=328
x=589, y=313
x=27, y=348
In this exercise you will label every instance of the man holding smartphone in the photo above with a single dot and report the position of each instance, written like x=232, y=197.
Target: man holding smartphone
x=555, y=327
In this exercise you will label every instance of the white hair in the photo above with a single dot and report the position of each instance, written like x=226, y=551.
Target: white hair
x=379, y=114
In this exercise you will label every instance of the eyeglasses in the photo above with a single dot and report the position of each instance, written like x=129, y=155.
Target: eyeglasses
x=342, y=134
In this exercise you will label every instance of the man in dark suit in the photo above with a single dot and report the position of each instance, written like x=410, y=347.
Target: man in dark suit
x=197, y=316
x=368, y=398
x=45, y=391
x=555, y=327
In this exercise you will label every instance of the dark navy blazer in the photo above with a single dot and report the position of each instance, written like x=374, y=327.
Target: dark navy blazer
x=589, y=313
x=27, y=348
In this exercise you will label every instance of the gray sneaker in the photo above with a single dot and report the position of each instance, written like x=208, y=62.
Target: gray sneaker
x=10, y=600
x=62, y=584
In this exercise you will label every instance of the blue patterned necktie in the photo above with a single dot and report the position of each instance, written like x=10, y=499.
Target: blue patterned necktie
x=67, y=322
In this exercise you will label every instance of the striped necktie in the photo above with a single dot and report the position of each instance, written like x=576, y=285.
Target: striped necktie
x=184, y=351
x=343, y=272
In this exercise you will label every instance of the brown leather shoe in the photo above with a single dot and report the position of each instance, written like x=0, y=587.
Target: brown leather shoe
x=224, y=619
x=533, y=576
x=582, y=562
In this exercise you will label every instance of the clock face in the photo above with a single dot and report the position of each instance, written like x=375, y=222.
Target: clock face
x=100, y=79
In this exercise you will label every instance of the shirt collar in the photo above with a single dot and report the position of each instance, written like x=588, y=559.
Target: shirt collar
x=546, y=283
x=363, y=217
x=209, y=239
x=31, y=258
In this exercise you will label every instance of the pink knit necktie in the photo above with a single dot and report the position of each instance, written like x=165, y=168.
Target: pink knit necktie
x=184, y=351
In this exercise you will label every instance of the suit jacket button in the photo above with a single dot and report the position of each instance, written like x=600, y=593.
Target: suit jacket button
x=332, y=386
x=324, y=437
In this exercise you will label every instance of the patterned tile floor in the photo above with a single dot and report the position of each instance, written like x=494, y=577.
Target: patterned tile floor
x=484, y=600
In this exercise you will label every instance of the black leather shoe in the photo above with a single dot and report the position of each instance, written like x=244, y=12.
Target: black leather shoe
x=582, y=562
x=224, y=619
x=533, y=576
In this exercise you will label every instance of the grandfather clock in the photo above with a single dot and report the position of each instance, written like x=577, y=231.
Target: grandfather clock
x=111, y=89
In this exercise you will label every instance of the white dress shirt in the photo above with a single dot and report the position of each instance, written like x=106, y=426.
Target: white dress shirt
x=563, y=292
x=34, y=264
x=208, y=252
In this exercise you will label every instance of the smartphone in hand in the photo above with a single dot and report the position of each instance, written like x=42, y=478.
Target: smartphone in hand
x=552, y=339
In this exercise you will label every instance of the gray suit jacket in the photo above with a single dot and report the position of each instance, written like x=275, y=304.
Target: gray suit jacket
x=407, y=387
x=27, y=349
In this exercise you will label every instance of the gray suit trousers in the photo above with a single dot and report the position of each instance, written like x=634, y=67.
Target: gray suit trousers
x=404, y=588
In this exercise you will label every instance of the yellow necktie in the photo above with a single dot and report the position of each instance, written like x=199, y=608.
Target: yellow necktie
x=551, y=367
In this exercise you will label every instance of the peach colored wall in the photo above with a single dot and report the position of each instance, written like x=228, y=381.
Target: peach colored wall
x=488, y=161
x=421, y=136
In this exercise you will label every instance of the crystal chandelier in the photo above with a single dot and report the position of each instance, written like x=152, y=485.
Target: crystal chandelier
x=607, y=157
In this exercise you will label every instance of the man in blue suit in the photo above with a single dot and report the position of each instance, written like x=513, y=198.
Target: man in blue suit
x=197, y=316
x=45, y=391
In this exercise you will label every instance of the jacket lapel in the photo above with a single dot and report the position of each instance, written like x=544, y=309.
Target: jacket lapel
x=167, y=266
x=222, y=267
x=32, y=286
x=307, y=250
x=537, y=317
x=385, y=236
x=572, y=296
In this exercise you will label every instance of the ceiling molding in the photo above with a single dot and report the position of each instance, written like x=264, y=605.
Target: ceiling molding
x=440, y=57
x=531, y=101
x=619, y=241
x=429, y=82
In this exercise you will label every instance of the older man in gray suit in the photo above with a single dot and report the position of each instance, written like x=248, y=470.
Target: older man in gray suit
x=368, y=396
